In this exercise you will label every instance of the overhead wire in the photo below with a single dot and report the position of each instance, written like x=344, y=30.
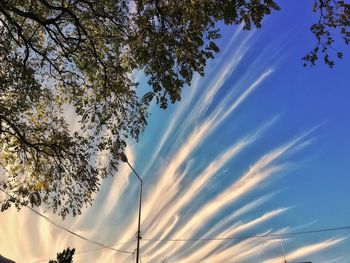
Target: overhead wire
x=87, y=251
x=251, y=236
x=279, y=235
x=70, y=231
x=192, y=239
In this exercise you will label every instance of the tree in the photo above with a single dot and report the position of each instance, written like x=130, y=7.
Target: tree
x=66, y=256
x=5, y=260
x=334, y=20
x=56, y=54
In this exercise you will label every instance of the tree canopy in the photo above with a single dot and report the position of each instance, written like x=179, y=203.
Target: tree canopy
x=66, y=256
x=59, y=54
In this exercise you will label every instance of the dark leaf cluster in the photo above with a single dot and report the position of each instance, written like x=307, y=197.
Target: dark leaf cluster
x=66, y=256
x=59, y=56
x=333, y=24
x=80, y=55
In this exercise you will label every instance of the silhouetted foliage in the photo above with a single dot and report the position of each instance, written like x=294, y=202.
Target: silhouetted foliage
x=59, y=54
x=333, y=23
x=5, y=260
x=66, y=256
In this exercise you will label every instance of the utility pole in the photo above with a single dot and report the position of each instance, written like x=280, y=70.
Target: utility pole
x=125, y=160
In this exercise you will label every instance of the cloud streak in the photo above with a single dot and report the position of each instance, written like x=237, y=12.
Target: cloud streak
x=177, y=203
x=307, y=250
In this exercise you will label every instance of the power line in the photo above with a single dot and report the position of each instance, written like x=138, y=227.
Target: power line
x=321, y=230
x=86, y=251
x=70, y=231
x=251, y=236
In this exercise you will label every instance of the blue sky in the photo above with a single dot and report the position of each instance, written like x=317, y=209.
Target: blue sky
x=259, y=145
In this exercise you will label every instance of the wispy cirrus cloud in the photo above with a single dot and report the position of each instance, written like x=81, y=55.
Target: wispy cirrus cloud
x=307, y=250
x=210, y=247
x=176, y=203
